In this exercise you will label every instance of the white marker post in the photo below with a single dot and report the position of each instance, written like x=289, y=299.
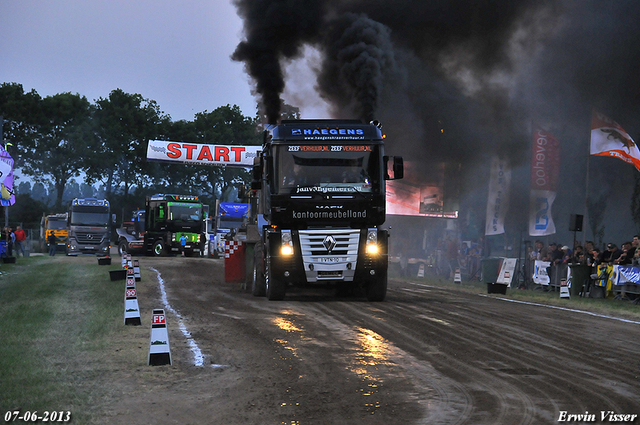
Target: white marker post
x=564, y=289
x=131, y=282
x=159, y=351
x=131, y=309
x=457, y=276
x=136, y=270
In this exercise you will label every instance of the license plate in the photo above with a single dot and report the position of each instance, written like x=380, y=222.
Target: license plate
x=331, y=259
x=330, y=274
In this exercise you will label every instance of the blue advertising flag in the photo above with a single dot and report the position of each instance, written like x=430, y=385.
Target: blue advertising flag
x=7, y=194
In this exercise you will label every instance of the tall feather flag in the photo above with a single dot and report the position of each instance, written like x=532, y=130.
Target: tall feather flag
x=7, y=196
x=498, y=199
x=545, y=169
x=609, y=139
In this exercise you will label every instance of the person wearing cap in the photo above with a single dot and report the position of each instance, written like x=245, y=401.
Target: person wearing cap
x=610, y=254
x=567, y=254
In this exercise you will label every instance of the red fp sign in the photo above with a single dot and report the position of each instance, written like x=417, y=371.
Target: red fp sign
x=158, y=319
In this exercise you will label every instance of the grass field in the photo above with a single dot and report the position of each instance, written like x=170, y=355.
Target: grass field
x=56, y=315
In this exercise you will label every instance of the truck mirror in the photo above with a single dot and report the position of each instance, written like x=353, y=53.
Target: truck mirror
x=113, y=218
x=269, y=166
x=398, y=167
x=242, y=192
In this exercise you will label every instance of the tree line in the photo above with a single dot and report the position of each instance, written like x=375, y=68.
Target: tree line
x=56, y=139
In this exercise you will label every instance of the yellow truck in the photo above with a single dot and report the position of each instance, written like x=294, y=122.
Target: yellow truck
x=58, y=224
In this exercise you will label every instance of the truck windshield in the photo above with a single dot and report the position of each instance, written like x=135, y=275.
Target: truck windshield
x=56, y=224
x=231, y=222
x=332, y=168
x=180, y=211
x=89, y=216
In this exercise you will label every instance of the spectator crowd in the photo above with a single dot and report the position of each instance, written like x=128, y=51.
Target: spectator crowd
x=627, y=254
x=13, y=240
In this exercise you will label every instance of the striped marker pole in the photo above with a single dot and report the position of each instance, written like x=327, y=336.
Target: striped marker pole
x=159, y=351
x=564, y=289
x=457, y=277
x=136, y=270
x=131, y=309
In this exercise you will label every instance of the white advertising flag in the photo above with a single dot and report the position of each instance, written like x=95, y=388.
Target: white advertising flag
x=545, y=169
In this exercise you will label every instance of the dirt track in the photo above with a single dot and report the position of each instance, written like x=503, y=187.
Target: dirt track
x=426, y=355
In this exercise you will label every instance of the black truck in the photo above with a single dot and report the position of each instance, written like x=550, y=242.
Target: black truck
x=321, y=186
x=168, y=218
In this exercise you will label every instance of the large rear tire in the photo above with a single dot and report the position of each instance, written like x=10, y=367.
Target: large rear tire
x=377, y=288
x=275, y=289
x=258, y=285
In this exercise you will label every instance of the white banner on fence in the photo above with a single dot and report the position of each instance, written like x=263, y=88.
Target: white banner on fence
x=540, y=274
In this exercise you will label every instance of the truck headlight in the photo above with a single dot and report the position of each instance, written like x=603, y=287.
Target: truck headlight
x=372, y=241
x=372, y=248
x=287, y=243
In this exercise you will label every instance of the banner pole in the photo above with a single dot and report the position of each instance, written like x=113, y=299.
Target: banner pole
x=586, y=193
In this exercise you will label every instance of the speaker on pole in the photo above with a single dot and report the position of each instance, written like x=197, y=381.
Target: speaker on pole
x=575, y=223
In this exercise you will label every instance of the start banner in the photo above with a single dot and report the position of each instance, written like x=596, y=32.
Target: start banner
x=202, y=154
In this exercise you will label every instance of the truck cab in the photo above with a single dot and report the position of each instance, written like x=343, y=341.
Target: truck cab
x=322, y=190
x=131, y=234
x=56, y=223
x=230, y=217
x=89, y=221
x=168, y=218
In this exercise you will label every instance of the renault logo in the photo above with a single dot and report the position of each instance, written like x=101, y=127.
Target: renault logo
x=329, y=243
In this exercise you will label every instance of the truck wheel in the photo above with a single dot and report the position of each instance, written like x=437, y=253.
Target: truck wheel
x=158, y=248
x=377, y=288
x=275, y=289
x=122, y=247
x=258, y=284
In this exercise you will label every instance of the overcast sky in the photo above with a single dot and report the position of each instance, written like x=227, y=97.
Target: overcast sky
x=174, y=52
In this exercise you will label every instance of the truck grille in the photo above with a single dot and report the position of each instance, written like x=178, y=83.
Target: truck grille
x=329, y=251
x=89, y=238
x=346, y=242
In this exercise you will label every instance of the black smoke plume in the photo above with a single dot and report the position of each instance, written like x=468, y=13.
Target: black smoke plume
x=358, y=56
x=275, y=30
x=460, y=81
